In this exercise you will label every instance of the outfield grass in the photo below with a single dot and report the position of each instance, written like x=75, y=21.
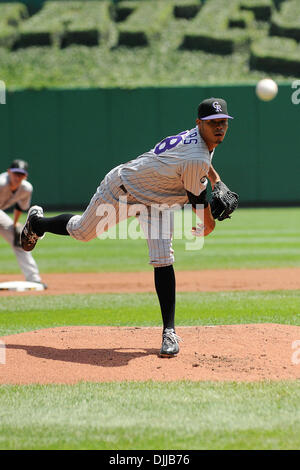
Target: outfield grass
x=21, y=314
x=181, y=415
x=253, y=238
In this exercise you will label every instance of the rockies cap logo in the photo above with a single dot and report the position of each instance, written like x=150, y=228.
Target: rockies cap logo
x=213, y=108
x=217, y=106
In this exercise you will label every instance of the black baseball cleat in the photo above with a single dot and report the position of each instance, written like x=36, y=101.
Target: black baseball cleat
x=170, y=347
x=28, y=237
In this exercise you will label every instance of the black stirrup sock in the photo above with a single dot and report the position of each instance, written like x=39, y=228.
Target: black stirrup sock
x=56, y=225
x=165, y=286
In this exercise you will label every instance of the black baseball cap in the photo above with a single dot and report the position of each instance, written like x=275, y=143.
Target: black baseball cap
x=213, y=108
x=19, y=166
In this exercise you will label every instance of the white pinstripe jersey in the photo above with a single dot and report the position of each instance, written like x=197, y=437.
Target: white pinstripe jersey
x=177, y=164
x=22, y=195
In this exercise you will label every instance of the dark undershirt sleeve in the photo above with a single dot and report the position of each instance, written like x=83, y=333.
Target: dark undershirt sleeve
x=201, y=199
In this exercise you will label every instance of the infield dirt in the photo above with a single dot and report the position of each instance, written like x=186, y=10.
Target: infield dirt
x=69, y=355
x=186, y=281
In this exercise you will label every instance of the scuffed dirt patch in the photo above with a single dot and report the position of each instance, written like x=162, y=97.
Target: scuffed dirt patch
x=186, y=281
x=68, y=355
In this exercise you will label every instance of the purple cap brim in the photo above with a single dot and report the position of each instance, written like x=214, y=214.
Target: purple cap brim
x=18, y=170
x=216, y=116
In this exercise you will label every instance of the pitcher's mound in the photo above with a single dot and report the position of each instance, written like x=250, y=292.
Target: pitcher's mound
x=105, y=354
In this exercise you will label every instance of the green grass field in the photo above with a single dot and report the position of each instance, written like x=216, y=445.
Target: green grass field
x=196, y=308
x=181, y=415
x=150, y=415
x=253, y=238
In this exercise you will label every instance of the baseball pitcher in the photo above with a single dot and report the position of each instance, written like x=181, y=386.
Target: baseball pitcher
x=173, y=173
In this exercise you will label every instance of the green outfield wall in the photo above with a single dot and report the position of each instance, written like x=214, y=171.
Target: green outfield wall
x=71, y=138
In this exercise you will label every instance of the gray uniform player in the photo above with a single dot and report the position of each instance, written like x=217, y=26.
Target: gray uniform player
x=16, y=191
x=174, y=172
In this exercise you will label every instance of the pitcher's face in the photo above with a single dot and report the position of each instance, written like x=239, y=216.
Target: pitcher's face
x=212, y=131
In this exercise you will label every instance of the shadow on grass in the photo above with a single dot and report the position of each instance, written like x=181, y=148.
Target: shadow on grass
x=114, y=357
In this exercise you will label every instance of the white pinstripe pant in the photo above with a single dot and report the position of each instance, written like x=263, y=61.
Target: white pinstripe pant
x=26, y=262
x=157, y=228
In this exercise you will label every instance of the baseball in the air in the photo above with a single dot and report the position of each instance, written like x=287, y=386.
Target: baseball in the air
x=266, y=89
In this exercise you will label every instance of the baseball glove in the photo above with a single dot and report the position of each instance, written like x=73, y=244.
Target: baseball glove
x=223, y=201
x=17, y=235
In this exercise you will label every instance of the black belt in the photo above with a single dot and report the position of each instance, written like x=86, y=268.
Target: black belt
x=123, y=188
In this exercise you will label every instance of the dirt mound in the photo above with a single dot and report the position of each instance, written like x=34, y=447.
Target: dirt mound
x=252, y=352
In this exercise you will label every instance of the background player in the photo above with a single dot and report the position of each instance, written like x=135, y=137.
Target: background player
x=16, y=191
x=174, y=172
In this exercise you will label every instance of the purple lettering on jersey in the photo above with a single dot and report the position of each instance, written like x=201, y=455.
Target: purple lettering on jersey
x=167, y=144
x=171, y=142
x=190, y=139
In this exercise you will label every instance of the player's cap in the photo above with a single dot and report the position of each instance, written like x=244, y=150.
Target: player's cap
x=19, y=166
x=213, y=108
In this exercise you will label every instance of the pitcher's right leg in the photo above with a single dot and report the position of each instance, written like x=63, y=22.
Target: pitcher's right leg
x=83, y=227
